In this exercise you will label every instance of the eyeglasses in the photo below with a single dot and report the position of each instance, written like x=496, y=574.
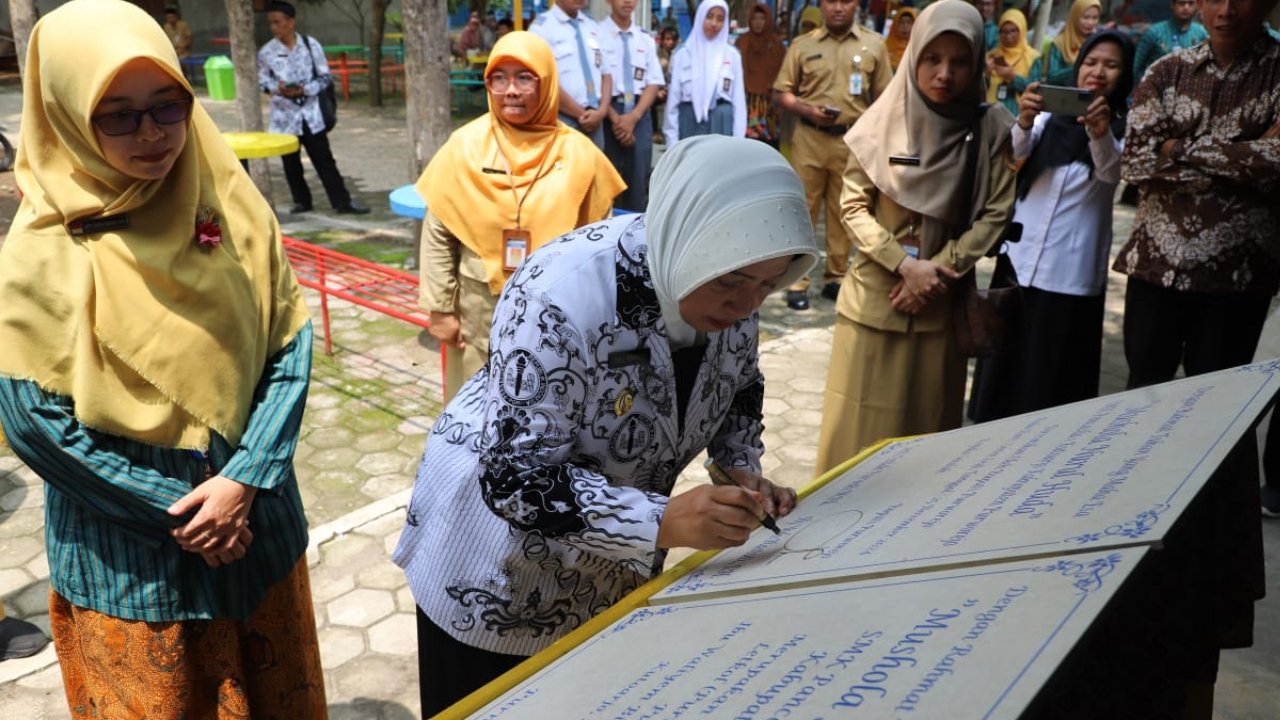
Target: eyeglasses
x=123, y=122
x=499, y=82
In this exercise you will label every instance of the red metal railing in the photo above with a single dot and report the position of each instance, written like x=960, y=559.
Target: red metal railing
x=367, y=284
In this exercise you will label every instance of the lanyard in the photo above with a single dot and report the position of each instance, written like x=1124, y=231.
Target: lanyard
x=506, y=165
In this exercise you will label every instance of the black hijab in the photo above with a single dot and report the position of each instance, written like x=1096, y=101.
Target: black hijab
x=1064, y=140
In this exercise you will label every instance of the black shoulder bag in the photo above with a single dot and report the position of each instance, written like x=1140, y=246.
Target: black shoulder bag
x=982, y=317
x=327, y=98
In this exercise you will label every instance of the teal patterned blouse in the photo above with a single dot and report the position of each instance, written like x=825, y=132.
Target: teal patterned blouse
x=1161, y=39
x=106, y=529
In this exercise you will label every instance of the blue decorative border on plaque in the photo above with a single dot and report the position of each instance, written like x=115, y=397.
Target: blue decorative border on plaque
x=1086, y=576
x=1269, y=367
x=638, y=615
x=1132, y=529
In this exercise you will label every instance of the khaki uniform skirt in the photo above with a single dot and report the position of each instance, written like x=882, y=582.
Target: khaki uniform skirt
x=883, y=384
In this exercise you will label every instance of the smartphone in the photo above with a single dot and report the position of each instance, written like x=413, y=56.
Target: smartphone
x=830, y=111
x=1065, y=100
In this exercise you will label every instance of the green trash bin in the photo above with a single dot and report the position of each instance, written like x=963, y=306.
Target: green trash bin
x=220, y=78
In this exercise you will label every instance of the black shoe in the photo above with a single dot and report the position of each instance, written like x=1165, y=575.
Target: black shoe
x=1270, y=501
x=798, y=299
x=19, y=639
x=831, y=291
x=352, y=208
x=299, y=208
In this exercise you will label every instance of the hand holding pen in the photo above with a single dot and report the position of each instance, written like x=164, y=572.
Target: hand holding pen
x=712, y=517
x=719, y=476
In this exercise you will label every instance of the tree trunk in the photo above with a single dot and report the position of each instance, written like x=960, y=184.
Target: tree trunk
x=426, y=77
x=244, y=55
x=1042, y=23
x=22, y=15
x=375, y=51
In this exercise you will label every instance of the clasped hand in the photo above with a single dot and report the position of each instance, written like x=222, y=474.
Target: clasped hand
x=711, y=517
x=923, y=281
x=219, y=530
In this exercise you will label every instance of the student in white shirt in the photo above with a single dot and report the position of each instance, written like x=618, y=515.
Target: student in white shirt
x=1066, y=191
x=628, y=134
x=583, y=62
x=706, y=94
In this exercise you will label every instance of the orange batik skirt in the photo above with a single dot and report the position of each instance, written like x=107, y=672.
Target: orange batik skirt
x=265, y=668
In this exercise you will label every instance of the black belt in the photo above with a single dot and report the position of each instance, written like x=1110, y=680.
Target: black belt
x=828, y=129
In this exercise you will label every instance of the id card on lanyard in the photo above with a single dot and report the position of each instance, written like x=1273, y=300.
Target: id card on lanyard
x=515, y=247
x=517, y=241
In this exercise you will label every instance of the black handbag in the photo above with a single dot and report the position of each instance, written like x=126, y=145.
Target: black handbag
x=982, y=317
x=327, y=98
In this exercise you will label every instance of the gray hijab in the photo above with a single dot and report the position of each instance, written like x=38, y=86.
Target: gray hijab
x=718, y=204
x=903, y=122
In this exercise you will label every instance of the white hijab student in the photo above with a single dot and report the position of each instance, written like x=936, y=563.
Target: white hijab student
x=619, y=353
x=706, y=94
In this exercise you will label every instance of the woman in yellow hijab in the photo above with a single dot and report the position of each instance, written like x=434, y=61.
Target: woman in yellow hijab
x=155, y=364
x=1009, y=64
x=899, y=34
x=502, y=186
x=1057, y=66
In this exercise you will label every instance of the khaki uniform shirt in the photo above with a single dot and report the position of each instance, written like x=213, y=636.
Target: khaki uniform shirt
x=819, y=69
x=876, y=224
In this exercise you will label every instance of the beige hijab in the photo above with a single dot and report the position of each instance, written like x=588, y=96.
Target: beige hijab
x=902, y=122
x=153, y=336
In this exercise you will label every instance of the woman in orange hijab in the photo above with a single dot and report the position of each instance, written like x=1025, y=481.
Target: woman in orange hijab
x=899, y=34
x=762, y=54
x=500, y=187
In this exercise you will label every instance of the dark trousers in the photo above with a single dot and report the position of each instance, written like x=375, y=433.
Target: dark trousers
x=317, y=147
x=1206, y=332
x=632, y=163
x=1202, y=332
x=449, y=670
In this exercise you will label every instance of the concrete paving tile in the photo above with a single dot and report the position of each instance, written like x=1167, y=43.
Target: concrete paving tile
x=389, y=524
x=337, y=457
x=808, y=384
x=417, y=425
x=31, y=600
x=404, y=600
x=773, y=406
x=811, y=417
x=401, y=706
x=13, y=580
x=800, y=400
x=381, y=575
x=323, y=418
x=339, y=645
x=328, y=583
x=390, y=541
x=16, y=551
x=38, y=566
x=320, y=401
x=20, y=522
x=361, y=607
x=328, y=437
x=384, y=485
x=376, y=442
x=19, y=496
x=349, y=551
x=396, y=635
x=383, y=463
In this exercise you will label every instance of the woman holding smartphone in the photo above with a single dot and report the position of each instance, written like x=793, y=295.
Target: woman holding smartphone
x=1065, y=194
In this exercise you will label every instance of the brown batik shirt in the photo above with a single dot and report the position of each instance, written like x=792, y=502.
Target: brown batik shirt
x=1209, y=218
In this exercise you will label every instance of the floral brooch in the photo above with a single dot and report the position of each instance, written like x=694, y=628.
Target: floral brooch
x=208, y=231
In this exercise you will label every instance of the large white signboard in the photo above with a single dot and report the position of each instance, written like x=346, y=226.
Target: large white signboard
x=1109, y=472
x=964, y=643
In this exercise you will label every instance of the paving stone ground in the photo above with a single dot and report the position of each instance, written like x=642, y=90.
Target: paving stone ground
x=369, y=409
